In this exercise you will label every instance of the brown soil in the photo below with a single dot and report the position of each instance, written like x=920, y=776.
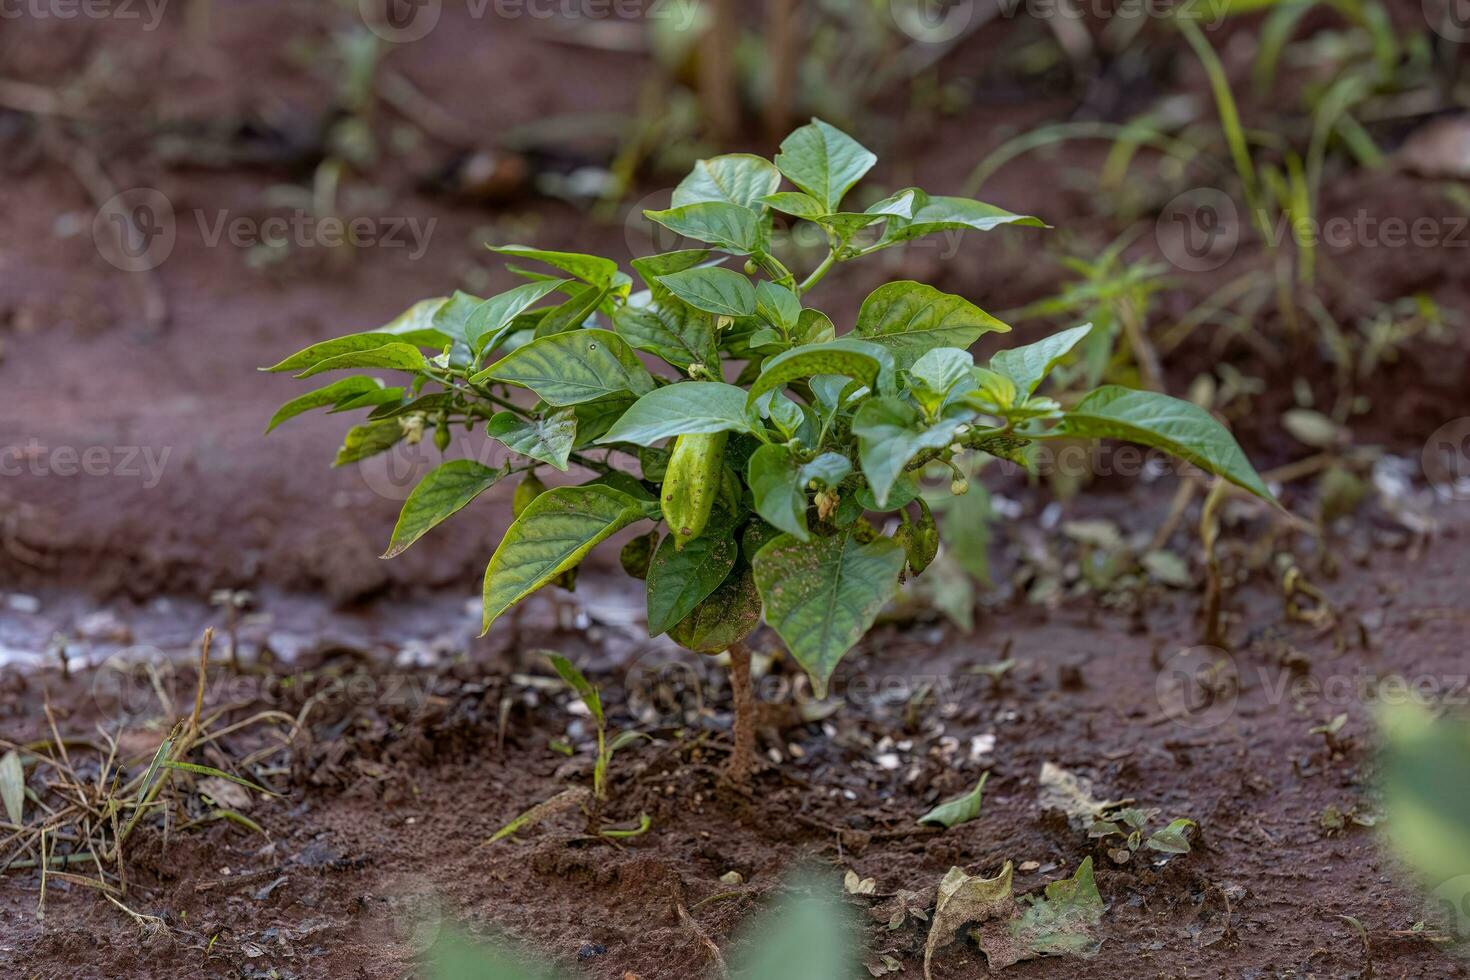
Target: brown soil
x=391, y=791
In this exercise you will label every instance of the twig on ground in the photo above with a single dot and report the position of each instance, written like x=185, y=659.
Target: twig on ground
x=709, y=944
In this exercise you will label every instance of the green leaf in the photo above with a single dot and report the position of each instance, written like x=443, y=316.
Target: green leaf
x=729, y=226
x=394, y=356
x=385, y=402
x=627, y=483
x=934, y=214
x=677, y=334
x=961, y=809
x=679, y=580
x=726, y=616
x=333, y=394
x=576, y=312
x=415, y=326
x=578, y=682
x=1029, y=365
x=367, y=440
x=734, y=178
x=13, y=787
x=455, y=956
x=858, y=359
x=594, y=418
x=491, y=320
x=910, y=319
x=443, y=492
x=554, y=533
x=199, y=770
x=890, y=433
x=452, y=316
x=1063, y=922
x=962, y=899
x=778, y=481
x=774, y=477
x=713, y=290
x=1175, y=426
x=417, y=322
x=1425, y=774
x=814, y=327
x=573, y=367
x=822, y=596
x=824, y=161
x=845, y=224
x=1173, y=839
x=651, y=267
x=682, y=409
x=937, y=372
x=335, y=347
x=796, y=204
x=829, y=469
x=591, y=269
x=804, y=937
x=777, y=305
x=548, y=439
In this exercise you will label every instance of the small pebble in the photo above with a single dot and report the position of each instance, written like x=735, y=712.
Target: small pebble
x=22, y=603
x=888, y=760
x=590, y=950
x=732, y=878
x=981, y=745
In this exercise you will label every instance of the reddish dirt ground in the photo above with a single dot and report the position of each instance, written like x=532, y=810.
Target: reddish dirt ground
x=389, y=792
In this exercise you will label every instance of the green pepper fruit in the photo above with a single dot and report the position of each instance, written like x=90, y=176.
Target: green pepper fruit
x=691, y=484
x=921, y=543
x=637, y=554
x=441, y=432
x=528, y=490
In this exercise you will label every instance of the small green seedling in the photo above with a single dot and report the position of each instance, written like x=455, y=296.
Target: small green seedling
x=764, y=484
x=1129, y=825
x=1331, y=731
x=578, y=682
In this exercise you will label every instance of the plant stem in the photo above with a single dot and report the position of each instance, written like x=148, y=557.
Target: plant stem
x=818, y=273
x=742, y=759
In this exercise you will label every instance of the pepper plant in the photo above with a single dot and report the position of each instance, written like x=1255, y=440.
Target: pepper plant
x=711, y=397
